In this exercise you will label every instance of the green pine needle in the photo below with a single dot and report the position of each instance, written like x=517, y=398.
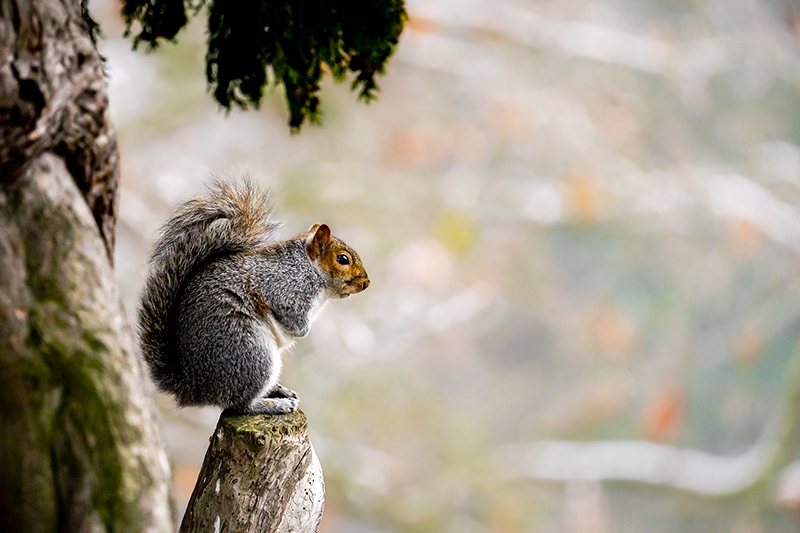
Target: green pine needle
x=297, y=40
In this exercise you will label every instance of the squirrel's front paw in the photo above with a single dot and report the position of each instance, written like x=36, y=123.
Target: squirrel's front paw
x=274, y=406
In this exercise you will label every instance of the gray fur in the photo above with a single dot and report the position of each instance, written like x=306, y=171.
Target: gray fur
x=224, y=358
x=203, y=337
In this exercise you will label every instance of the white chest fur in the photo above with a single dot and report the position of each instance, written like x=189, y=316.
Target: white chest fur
x=277, y=340
x=317, y=305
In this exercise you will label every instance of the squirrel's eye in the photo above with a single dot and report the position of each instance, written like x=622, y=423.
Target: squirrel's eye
x=342, y=259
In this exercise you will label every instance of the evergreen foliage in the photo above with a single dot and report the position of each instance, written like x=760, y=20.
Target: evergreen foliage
x=295, y=40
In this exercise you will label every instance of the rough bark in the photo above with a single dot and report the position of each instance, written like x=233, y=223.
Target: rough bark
x=53, y=99
x=260, y=474
x=79, y=447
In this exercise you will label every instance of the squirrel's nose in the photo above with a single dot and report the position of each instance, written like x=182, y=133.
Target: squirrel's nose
x=366, y=284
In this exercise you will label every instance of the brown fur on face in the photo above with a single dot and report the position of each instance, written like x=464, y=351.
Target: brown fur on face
x=338, y=260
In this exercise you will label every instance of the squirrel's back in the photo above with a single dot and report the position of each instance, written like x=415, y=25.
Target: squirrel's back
x=232, y=218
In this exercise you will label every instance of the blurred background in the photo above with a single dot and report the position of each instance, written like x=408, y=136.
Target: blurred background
x=581, y=224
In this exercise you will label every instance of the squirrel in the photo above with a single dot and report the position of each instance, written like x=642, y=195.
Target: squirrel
x=224, y=298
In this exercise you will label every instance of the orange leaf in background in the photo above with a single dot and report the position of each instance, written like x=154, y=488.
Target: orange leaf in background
x=611, y=332
x=664, y=415
x=792, y=18
x=184, y=476
x=746, y=343
x=420, y=146
x=745, y=237
x=509, y=121
x=585, y=197
x=420, y=24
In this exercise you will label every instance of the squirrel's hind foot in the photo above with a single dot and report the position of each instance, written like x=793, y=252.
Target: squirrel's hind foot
x=273, y=406
x=279, y=391
x=266, y=406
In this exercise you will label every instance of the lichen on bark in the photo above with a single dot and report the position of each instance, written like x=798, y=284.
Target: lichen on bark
x=80, y=447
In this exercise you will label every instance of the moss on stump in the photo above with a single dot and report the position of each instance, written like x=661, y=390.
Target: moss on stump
x=260, y=473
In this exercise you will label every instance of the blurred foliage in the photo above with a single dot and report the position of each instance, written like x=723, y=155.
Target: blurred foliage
x=296, y=40
x=581, y=220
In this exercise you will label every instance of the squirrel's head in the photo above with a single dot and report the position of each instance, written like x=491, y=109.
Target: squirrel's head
x=340, y=262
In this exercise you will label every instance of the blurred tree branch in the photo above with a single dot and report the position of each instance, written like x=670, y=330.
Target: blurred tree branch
x=757, y=470
x=297, y=41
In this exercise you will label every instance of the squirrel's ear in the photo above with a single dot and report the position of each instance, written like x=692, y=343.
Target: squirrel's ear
x=320, y=239
x=322, y=234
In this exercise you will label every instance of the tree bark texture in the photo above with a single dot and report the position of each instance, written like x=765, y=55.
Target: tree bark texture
x=53, y=99
x=260, y=474
x=80, y=448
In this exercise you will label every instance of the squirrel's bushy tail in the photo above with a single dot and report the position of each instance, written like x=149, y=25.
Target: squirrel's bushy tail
x=233, y=217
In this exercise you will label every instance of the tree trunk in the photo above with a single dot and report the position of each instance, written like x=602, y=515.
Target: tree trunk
x=260, y=474
x=80, y=449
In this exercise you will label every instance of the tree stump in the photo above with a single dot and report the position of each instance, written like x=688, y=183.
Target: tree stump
x=260, y=474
